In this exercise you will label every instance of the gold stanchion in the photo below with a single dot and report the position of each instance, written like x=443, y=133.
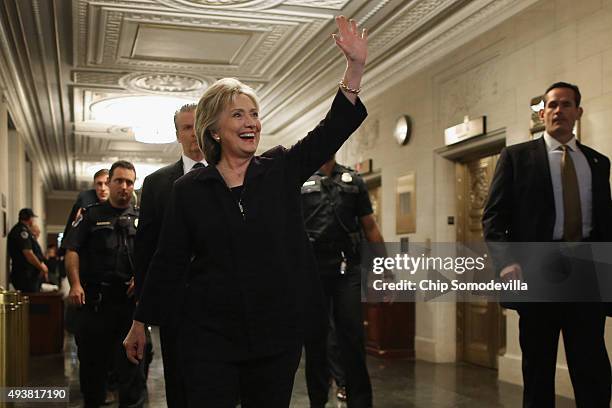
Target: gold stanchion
x=8, y=353
x=4, y=355
x=3, y=343
x=24, y=326
x=14, y=339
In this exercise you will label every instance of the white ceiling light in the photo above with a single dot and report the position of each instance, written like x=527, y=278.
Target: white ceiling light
x=150, y=117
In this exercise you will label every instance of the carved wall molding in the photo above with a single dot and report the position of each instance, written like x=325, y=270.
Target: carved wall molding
x=365, y=140
x=101, y=132
x=415, y=15
x=411, y=17
x=325, y=4
x=202, y=5
x=467, y=23
x=286, y=55
x=98, y=78
x=273, y=38
x=443, y=39
x=164, y=83
x=471, y=91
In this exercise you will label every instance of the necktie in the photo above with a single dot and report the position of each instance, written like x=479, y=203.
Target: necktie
x=197, y=166
x=572, y=222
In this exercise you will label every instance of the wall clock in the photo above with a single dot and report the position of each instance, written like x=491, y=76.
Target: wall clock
x=403, y=130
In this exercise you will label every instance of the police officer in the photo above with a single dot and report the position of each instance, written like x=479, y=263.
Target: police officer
x=99, y=265
x=337, y=211
x=27, y=270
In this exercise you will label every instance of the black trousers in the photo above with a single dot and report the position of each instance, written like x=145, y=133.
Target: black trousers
x=582, y=325
x=101, y=329
x=333, y=354
x=175, y=394
x=254, y=383
x=26, y=280
x=343, y=296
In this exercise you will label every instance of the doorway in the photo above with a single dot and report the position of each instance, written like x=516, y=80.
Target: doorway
x=481, y=324
x=389, y=327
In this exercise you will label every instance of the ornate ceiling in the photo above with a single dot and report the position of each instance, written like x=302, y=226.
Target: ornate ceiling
x=60, y=56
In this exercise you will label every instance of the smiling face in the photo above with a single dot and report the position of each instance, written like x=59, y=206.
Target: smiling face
x=238, y=128
x=560, y=113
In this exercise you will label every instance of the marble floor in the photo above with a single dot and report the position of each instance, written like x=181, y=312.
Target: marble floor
x=396, y=383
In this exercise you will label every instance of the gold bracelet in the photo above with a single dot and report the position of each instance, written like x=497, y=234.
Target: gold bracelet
x=345, y=88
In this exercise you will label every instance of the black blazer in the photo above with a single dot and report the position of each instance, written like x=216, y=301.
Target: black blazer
x=155, y=196
x=247, y=282
x=521, y=206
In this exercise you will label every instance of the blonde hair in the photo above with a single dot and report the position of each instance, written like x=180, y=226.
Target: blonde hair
x=216, y=99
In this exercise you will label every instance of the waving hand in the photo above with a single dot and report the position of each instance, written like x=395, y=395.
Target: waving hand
x=352, y=42
x=354, y=45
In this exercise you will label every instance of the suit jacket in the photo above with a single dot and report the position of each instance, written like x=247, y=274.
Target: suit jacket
x=246, y=279
x=521, y=207
x=154, y=199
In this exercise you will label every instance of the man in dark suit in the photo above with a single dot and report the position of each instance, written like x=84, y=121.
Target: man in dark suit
x=155, y=194
x=553, y=189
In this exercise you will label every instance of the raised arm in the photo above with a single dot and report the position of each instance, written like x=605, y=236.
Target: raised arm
x=354, y=45
x=346, y=113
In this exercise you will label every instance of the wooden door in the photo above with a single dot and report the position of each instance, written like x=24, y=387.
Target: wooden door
x=480, y=324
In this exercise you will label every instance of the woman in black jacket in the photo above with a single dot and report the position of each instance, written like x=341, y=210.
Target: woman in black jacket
x=233, y=261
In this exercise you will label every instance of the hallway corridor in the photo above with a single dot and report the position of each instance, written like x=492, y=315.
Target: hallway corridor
x=396, y=383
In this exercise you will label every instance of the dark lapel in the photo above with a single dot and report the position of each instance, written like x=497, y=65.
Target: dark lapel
x=594, y=166
x=256, y=168
x=176, y=170
x=588, y=153
x=209, y=172
x=543, y=181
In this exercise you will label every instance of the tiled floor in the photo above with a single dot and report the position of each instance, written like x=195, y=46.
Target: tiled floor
x=397, y=384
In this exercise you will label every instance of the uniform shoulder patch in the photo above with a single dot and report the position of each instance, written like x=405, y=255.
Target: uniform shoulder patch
x=346, y=177
x=24, y=234
x=77, y=220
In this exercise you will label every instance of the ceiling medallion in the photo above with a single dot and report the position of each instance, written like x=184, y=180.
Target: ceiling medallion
x=163, y=83
x=217, y=2
x=221, y=4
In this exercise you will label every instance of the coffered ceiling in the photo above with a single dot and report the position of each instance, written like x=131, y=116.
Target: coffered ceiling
x=59, y=57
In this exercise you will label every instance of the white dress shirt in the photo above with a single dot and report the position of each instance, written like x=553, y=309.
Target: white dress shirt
x=188, y=163
x=585, y=186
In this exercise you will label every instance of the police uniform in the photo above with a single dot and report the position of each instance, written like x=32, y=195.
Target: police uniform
x=24, y=276
x=104, y=240
x=332, y=208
